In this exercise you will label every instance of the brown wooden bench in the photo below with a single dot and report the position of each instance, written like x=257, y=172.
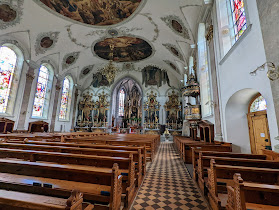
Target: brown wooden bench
x=20, y=200
x=95, y=146
x=271, y=155
x=126, y=165
x=204, y=164
x=150, y=141
x=150, y=148
x=196, y=151
x=221, y=176
x=97, y=184
x=245, y=195
x=222, y=147
x=137, y=156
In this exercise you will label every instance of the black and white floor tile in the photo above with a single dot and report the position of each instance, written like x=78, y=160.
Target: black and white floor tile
x=168, y=185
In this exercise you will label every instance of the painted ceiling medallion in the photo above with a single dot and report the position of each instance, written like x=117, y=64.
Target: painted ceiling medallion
x=70, y=59
x=10, y=12
x=177, y=25
x=126, y=49
x=97, y=13
x=172, y=65
x=85, y=71
x=45, y=41
x=173, y=49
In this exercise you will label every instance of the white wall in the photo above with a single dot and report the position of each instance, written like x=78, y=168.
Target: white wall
x=233, y=76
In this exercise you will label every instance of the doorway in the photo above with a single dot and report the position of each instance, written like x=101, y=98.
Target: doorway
x=258, y=125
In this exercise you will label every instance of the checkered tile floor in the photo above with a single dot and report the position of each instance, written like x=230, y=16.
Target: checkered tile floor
x=168, y=185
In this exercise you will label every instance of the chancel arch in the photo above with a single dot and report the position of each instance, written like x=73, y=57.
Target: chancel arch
x=126, y=106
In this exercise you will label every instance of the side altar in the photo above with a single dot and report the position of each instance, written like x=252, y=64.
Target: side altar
x=92, y=114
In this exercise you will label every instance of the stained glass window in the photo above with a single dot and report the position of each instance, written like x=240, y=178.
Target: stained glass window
x=259, y=104
x=8, y=60
x=41, y=91
x=65, y=100
x=121, y=102
x=204, y=73
x=239, y=17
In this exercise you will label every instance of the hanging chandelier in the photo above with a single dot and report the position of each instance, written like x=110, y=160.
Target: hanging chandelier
x=110, y=71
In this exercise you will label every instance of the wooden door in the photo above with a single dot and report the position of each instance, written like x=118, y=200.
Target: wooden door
x=259, y=132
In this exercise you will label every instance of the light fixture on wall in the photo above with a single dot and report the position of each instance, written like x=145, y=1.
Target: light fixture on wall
x=272, y=71
x=110, y=71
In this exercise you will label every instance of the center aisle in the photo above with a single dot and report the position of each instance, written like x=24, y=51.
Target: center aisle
x=168, y=185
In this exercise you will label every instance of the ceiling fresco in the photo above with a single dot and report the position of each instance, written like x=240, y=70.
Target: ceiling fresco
x=126, y=49
x=94, y=12
x=74, y=35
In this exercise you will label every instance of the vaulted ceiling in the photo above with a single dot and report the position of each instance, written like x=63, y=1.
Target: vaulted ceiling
x=77, y=35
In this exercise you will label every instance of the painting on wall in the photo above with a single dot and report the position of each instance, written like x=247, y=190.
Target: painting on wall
x=125, y=49
x=99, y=80
x=7, y=14
x=152, y=75
x=97, y=12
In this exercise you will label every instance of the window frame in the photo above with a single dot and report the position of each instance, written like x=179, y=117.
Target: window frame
x=199, y=73
x=71, y=88
x=251, y=102
x=16, y=81
x=48, y=91
x=225, y=53
x=119, y=92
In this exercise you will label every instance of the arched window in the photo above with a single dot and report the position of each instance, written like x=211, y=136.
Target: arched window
x=42, y=95
x=121, y=103
x=204, y=73
x=239, y=17
x=65, y=105
x=8, y=59
x=232, y=22
x=258, y=104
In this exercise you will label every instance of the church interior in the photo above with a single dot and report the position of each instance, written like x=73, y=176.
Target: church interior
x=139, y=104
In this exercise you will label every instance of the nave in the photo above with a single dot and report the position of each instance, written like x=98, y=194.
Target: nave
x=168, y=184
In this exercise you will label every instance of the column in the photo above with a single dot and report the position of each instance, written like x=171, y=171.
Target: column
x=268, y=14
x=55, y=104
x=218, y=130
x=25, y=100
x=75, y=108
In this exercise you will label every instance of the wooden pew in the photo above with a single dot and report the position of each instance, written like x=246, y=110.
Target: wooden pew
x=271, y=155
x=150, y=146
x=151, y=142
x=19, y=200
x=95, y=146
x=126, y=165
x=136, y=155
x=204, y=163
x=97, y=184
x=220, y=176
x=223, y=147
x=245, y=195
x=184, y=145
x=196, y=151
